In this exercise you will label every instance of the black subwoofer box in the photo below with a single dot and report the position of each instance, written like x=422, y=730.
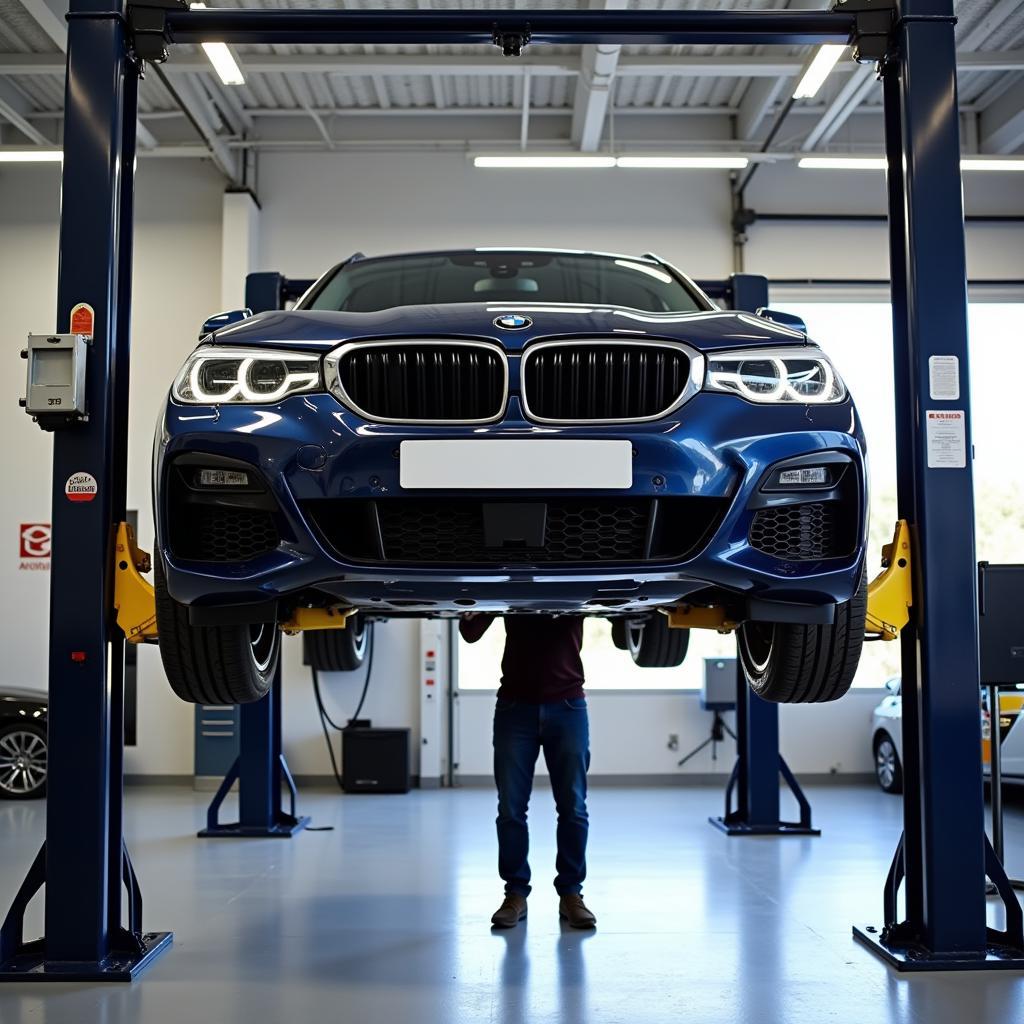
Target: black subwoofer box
x=375, y=760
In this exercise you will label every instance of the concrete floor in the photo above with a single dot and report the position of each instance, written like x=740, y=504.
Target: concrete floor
x=385, y=919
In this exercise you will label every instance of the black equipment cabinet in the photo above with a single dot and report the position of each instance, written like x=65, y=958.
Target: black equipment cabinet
x=375, y=760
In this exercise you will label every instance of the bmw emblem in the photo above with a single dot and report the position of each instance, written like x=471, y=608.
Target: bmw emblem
x=513, y=322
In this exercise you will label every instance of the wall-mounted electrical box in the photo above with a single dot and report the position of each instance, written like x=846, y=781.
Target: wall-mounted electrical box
x=56, y=377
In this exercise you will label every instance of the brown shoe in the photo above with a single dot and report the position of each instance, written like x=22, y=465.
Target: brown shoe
x=573, y=910
x=511, y=912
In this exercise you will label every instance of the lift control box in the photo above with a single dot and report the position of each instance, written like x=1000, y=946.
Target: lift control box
x=55, y=391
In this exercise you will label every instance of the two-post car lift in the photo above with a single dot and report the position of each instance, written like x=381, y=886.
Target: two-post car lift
x=943, y=857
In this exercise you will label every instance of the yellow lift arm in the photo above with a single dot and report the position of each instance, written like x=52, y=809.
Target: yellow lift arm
x=135, y=603
x=890, y=597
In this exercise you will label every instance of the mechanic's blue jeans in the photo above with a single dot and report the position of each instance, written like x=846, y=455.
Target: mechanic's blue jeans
x=562, y=731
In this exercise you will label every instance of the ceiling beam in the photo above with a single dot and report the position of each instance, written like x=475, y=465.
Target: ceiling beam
x=1002, y=123
x=598, y=63
x=15, y=109
x=757, y=102
x=843, y=104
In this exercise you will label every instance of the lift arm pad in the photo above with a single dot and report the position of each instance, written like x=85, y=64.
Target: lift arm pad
x=133, y=596
x=317, y=618
x=890, y=594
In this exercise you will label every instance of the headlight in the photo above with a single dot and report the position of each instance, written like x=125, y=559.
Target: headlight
x=771, y=376
x=214, y=375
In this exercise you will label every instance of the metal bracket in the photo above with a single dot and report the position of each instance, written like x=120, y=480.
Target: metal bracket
x=134, y=600
x=872, y=38
x=147, y=25
x=890, y=594
x=512, y=44
x=688, y=616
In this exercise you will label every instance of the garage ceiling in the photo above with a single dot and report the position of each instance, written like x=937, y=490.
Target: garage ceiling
x=583, y=98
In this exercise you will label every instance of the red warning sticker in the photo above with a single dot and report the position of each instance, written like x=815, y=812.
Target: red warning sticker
x=83, y=319
x=81, y=487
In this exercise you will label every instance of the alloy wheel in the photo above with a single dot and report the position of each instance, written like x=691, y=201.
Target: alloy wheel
x=22, y=762
x=885, y=763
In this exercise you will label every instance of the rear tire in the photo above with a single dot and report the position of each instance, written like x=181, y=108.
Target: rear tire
x=794, y=663
x=213, y=664
x=619, y=638
x=653, y=644
x=338, y=650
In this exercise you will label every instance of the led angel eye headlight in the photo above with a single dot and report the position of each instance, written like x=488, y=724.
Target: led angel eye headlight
x=795, y=375
x=215, y=375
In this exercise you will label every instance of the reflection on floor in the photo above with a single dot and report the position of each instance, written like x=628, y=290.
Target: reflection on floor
x=385, y=919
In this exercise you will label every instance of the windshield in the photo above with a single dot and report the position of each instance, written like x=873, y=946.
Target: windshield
x=369, y=285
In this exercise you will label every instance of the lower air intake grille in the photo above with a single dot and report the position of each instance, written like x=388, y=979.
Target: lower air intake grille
x=425, y=382
x=801, y=532
x=595, y=381
x=216, y=534
x=452, y=532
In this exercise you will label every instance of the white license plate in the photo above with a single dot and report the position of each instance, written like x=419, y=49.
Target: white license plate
x=508, y=464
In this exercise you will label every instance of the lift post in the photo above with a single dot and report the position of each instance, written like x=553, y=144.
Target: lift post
x=83, y=863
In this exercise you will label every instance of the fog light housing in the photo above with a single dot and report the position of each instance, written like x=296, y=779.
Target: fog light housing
x=222, y=478
x=805, y=476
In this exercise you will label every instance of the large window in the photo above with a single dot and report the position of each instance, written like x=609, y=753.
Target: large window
x=858, y=336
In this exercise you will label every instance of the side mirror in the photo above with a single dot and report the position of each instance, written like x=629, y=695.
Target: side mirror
x=215, y=323
x=785, y=319
x=893, y=685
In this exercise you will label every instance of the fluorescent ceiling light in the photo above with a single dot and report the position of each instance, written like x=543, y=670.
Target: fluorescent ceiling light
x=878, y=163
x=818, y=70
x=975, y=163
x=843, y=163
x=682, y=162
x=30, y=156
x=543, y=161
x=222, y=59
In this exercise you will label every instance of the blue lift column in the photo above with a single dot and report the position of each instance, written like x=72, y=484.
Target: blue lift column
x=83, y=862
x=944, y=855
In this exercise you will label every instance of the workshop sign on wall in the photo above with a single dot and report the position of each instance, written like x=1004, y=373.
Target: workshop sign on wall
x=34, y=547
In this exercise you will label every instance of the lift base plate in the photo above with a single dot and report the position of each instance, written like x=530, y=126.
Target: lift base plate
x=279, y=830
x=916, y=958
x=783, y=828
x=31, y=964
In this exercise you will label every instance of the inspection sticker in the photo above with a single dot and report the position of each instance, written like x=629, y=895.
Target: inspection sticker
x=83, y=319
x=81, y=487
x=944, y=378
x=946, y=435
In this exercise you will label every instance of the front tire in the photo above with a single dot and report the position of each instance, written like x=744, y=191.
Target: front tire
x=22, y=761
x=888, y=770
x=795, y=663
x=214, y=664
x=653, y=644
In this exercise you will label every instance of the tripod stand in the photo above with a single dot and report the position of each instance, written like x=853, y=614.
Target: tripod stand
x=718, y=732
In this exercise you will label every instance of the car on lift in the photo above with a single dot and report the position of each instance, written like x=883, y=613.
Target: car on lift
x=22, y=743
x=512, y=431
x=887, y=737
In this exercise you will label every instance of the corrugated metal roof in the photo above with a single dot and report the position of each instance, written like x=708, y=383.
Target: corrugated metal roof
x=984, y=25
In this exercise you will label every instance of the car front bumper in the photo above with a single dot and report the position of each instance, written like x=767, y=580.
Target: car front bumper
x=311, y=448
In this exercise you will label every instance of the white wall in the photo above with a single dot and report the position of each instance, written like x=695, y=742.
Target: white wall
x=317, y=209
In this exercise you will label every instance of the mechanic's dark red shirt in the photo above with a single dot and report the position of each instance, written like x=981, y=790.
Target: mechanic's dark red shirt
x=542, y=660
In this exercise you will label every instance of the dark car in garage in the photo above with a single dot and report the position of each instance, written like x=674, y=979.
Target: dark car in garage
x=22, y=743
x=511, y=431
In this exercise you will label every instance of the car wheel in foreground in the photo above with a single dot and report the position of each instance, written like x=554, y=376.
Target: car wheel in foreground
x=888, y=769
x=653, y=644
x=214, y=664
x=22, y=761
x=339, y=650
x=794, y=663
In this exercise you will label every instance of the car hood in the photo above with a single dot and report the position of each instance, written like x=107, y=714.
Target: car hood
x=320, y=330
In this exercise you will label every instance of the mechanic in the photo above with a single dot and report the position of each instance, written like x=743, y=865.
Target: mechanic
x=540, y=706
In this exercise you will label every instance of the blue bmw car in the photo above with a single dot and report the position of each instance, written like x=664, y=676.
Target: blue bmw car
x=513, y=431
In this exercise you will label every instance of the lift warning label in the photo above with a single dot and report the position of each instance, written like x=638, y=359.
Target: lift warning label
x=81, y=487
x=946, y=435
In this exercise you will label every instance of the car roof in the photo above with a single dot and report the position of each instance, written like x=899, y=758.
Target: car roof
x=22, y=692
x=483, y=249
